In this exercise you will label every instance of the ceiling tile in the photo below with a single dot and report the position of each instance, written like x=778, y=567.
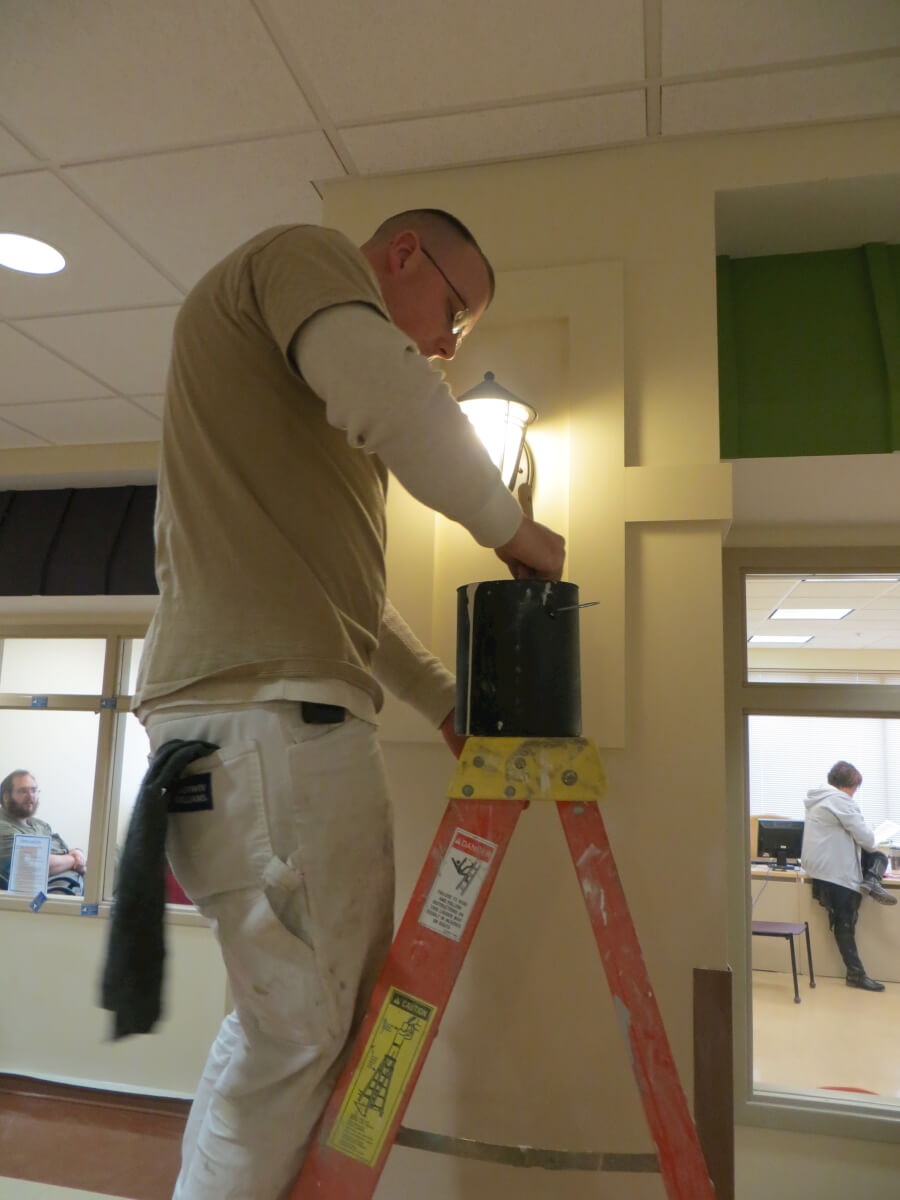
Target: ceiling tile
x=702, y=36
x=102, y=271
x=12, y=438
x=401, y=56
x=550, y=128
x=85, y=422
x=188, y=209
x=120, y=76
x=30, y=373
x=150, y=404
x=783, y=98
x=128, y=350
x=13, y=155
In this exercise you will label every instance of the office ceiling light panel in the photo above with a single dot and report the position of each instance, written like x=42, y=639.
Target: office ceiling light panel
x=781, y=639
x=809, y=614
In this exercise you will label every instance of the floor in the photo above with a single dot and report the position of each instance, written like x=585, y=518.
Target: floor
x=804, y=1045
x=837, y=1037
x=23, y=1189
x=52, y=1136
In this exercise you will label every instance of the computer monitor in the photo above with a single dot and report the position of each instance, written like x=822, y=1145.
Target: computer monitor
x=780, y=840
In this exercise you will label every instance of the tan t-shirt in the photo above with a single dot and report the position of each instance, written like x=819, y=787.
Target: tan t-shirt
x=254, y=482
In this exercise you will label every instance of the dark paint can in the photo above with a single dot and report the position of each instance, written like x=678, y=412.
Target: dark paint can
x=518, y=672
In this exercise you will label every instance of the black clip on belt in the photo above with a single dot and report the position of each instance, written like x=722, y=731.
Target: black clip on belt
x=321, y=714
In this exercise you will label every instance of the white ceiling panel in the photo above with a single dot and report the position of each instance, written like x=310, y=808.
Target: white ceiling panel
x=531, y=129
x=886, y=641
x=128, y=350
x=863, y=89
x=13, y=155
x=702, y=36
x=102, y=271
x=835, y=593
x=13, y=438
x=189, y=209
x=151, y=404
x=85, y=422
x=410, y=56
x=29, y=374
x=83, y=80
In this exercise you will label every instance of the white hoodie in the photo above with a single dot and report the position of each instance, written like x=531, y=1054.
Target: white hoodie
x=832, y=836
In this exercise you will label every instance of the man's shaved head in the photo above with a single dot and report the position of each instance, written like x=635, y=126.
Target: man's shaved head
x=434, y=277
x=440, y=228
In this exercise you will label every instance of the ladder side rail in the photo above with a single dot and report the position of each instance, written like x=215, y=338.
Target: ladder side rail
x=423, y=964
x=681, y=1161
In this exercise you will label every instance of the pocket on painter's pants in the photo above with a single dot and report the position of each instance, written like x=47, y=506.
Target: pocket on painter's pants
x=217, y=837
x=221, y=854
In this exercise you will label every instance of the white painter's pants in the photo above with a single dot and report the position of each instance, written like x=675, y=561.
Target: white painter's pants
x=293, y=865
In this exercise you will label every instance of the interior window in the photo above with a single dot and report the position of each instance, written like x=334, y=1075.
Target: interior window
x=131, y=755
x=52, y=666
x=823, y=628
x=59, y=751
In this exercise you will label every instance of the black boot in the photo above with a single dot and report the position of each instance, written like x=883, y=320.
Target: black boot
x=861, y=980
x=874, y=865
x=872, y=887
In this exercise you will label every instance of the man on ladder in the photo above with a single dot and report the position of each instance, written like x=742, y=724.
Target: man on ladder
x=299, y=378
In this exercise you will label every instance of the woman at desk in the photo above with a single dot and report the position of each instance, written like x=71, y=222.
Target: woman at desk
x=839, y=855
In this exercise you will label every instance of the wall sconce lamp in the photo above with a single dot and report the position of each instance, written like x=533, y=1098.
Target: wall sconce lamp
x=501, y=419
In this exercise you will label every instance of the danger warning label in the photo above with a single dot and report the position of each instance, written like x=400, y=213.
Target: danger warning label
x=463, y=870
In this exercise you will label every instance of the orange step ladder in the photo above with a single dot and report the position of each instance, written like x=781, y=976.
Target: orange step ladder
x=495, y=780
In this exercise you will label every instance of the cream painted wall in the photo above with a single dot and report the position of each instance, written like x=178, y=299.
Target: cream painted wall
x=650, y=210
x=53, y=1027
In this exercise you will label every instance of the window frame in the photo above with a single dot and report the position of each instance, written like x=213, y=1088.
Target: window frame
x=112, y=704
x=772, y=1108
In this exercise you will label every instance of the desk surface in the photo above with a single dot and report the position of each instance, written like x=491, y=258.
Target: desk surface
x=760, y=871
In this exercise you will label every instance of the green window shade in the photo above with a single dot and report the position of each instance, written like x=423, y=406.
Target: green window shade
x=809, y=353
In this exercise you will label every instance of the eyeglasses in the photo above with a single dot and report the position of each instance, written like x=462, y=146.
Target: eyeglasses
x=462, y=318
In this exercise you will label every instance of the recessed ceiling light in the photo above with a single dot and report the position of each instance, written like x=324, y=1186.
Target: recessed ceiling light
x=27, y=254
x=809, y=614
x=794, y=639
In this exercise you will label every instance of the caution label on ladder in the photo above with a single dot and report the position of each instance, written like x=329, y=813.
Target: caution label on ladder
x=453, y=894
x=382, y=1075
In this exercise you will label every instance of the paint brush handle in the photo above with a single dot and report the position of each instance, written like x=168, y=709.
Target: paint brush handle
x=525, y=496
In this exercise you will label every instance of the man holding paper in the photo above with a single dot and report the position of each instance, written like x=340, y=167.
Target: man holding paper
x=19, y=800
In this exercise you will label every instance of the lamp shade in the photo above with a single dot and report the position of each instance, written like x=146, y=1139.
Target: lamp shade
x=500, y=419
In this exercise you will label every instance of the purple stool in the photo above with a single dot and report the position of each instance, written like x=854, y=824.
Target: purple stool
x=787, y=929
